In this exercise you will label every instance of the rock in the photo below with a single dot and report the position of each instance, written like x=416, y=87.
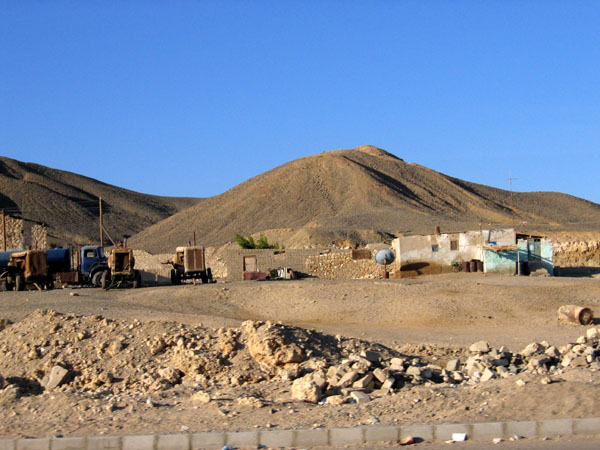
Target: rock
x=413, y=371
x=520, y=383
x=397, y=364
x=306, y=390
x=335, y=400
x=593, y=334
x=452, y=365
x=201, y=397
x=3, y=382
x=360, y=397
x=487, y=375
x=531, y=349
x=363, y=382
x=170, y=375
x=381, y=375
x=57, y=376
x=502, y=371
x=552, y=352
x=479, y=347
x=348, y=379
x=371, y=356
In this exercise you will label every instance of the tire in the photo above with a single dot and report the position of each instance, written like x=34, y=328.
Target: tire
x=97, y=278
x=19, y=282
x=174, y=278
x=4, y=286
x=204, y=277
x=104, y=280
x=137, y=280
x=209, y=275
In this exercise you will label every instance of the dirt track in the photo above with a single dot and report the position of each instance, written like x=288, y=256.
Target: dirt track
x=429, y=317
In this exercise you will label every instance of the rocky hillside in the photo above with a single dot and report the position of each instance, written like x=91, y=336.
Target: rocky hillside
x=68, y=203
x=361, y=195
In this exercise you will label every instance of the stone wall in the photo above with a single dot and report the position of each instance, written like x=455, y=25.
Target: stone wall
x=14, y=234
x=577, y=253
x=340, y=265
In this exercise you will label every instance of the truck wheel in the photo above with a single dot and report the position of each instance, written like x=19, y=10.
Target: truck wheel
x=173, y=277
x=4, y=286
x=97, y=278
x=137, y=280
x=19, y=282
x=104, y=280
x=204, y=278
x=209, y=275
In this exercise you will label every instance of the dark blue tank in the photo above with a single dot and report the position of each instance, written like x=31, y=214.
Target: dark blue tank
x=59, y=260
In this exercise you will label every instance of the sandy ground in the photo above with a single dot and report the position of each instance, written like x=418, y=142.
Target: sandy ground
x=432, y=317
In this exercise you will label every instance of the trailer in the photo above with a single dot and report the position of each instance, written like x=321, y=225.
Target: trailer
x=189, y=263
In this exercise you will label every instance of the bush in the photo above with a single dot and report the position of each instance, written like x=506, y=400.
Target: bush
x=249, y=243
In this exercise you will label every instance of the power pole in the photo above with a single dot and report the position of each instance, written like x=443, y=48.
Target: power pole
x=512, y=206
x=4, y=230
x=101, y=224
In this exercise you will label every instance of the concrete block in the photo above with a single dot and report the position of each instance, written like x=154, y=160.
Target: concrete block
x=277, y=438
x=524, y=429
x=173, y=442
x=72, y=443
x=380, y=434
x=424, y=432
x=556, y=427
x=208, y=440
x=33, y=444
x=140, y=442
x=242, y=439
x=103, y=443
x=7, y=444
x=581, y=426
x=444, y=432
x=311, y=438
x=487, y=431
x=343, y=436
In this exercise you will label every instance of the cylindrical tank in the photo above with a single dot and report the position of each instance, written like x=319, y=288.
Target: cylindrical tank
x=576, y=314
x=5, y=257
x=466, y=266
x=59, y=260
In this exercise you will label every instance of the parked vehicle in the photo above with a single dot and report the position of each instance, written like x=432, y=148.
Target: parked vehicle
x=22, y=268
x=189, y=263
x=121, y=270
x=91, y=263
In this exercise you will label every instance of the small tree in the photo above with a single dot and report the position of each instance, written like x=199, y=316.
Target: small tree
x=248, y=243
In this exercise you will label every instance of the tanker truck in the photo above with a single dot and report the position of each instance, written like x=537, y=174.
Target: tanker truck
x=88, y=267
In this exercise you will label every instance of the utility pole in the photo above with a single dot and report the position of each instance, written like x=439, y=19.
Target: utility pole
x=512, y=206
x=3, y=230
x=101, y=224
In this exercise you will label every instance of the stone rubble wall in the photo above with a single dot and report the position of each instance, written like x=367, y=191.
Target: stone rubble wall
x=577, y=253
x=14, y=234
x=341, y=266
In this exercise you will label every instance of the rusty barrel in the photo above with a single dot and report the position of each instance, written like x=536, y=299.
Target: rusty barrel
x=576, y=314
x=473, y=266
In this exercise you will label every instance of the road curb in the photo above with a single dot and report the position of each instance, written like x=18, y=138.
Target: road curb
x=209, y=440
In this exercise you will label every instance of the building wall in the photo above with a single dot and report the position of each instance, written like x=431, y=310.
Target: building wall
x=267, y=260
x=438, y=253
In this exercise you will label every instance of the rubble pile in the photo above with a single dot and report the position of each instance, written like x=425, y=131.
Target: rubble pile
x=49, y=351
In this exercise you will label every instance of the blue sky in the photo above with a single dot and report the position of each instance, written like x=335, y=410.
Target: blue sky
x=190, y=98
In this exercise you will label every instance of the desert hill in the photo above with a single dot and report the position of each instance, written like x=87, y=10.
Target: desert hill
x=68, y=203
x=360, y=195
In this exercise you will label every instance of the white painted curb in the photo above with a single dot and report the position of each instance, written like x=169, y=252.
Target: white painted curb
x=310, y=437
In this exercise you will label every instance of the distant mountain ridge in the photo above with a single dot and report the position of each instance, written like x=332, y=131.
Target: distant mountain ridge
x=360, y=195
x=68, y=203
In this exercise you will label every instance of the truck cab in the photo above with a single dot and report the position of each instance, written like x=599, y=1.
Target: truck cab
x=92, y=260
